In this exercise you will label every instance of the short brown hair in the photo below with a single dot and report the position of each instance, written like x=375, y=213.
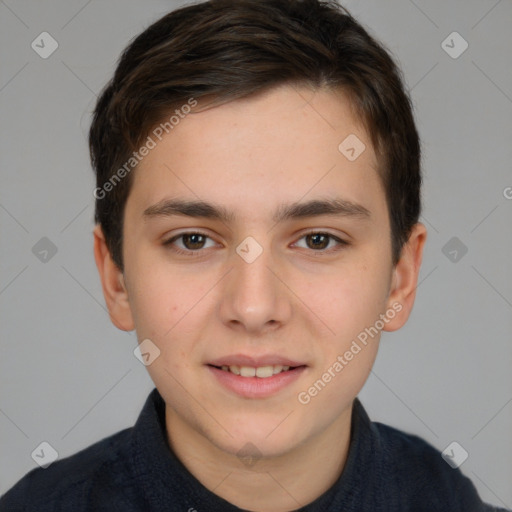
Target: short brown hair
x=229, y=49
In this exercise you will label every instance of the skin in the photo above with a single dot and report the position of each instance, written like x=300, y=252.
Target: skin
x=303, y=301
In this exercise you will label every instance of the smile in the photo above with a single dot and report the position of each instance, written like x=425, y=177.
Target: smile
x=255, y=381
x=263, y=372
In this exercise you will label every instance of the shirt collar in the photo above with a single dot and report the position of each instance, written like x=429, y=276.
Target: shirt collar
x=165, y=480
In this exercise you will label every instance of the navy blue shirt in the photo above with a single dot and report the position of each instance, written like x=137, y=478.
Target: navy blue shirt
x=136, y=471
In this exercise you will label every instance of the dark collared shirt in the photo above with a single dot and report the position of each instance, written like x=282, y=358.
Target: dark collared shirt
x=135, y=471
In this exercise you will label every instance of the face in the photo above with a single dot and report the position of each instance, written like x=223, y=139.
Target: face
x=252, y=279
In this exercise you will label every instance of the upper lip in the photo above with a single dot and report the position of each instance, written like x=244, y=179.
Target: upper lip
x=255, y=361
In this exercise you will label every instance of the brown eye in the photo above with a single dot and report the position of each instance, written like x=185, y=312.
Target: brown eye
x=190, y=243
x=317, y=240
x=193, y=241
x=322, y=242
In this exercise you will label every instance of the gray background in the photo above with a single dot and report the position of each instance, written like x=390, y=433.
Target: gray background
x=69, y=377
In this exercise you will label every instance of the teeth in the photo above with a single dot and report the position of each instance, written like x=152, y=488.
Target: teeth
x=247, y=371
x=277, y=369
x=262, y=372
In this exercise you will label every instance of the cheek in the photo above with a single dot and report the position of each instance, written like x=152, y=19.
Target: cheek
x=353, y=300
x=351, y=307
x=170, y=307
x=156, y=308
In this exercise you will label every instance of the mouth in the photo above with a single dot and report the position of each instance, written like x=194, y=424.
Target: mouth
x=262, y=372
x=255, y=378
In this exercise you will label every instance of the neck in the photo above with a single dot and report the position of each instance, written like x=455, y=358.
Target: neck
x=271, y=484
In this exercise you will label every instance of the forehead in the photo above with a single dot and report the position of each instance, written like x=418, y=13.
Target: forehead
x=277, y=146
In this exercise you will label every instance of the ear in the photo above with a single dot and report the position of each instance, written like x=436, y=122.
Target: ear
x=405, y=278
x=112, y=282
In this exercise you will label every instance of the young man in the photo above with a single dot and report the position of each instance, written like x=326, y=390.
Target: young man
x=257, y=205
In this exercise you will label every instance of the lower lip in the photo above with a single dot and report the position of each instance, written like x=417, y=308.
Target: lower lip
x=256, y=387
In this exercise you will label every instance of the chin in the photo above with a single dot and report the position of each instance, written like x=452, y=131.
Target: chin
x=267, y=438
x=250, y=450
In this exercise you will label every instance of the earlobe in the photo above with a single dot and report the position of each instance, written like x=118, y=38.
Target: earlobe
x=113, y=284
x=405, y=278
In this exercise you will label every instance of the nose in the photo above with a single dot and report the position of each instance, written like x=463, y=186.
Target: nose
x=254, y=298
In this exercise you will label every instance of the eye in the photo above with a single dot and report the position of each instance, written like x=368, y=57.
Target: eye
x=319, y=241
x=192, y=242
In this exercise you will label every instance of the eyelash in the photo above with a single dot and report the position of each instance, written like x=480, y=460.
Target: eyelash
x=197, y=252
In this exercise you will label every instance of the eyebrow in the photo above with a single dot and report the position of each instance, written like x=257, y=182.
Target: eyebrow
x=313, y=208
